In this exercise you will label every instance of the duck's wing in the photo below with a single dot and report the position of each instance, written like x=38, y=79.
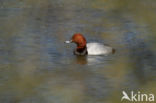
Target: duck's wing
x=98, y=49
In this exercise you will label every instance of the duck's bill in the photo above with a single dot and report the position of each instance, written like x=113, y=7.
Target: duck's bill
x=68, y=41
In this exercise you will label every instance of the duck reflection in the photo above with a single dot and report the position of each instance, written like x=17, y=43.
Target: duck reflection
x=81, y=59
x=91, y=60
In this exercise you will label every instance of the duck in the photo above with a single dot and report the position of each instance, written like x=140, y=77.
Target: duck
x=92, y=48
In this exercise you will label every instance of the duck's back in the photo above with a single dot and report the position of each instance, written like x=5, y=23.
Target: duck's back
x=98, y=49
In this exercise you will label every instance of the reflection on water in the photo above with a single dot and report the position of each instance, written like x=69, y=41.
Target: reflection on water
x=81, y=60
x=93, y=60
x=36, y=66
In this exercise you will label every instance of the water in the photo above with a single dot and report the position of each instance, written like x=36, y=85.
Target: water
x=37, y=67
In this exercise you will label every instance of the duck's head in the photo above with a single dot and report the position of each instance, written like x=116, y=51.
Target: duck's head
x=78, y=39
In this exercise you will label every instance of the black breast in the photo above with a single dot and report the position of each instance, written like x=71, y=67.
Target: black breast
x=81, y=51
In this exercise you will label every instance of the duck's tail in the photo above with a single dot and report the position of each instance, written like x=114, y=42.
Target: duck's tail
x=113, y=50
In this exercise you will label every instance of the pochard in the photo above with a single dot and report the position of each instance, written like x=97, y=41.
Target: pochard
x=84, y=48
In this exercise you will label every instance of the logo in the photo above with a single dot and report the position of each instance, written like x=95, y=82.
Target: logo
x=134, y=97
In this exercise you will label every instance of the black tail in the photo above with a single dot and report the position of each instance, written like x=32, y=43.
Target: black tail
x=113, y=51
